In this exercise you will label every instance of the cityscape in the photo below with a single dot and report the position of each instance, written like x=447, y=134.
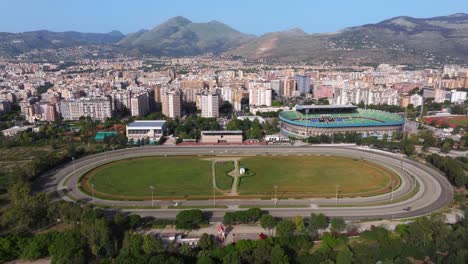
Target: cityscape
x=194, y=142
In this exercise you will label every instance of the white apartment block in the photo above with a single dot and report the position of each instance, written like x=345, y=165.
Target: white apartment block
x=259, y=95
x=209, y=105
x=98, y=108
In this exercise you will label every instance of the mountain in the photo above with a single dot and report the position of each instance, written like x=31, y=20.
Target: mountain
x=399, y=40
x=403, y=40
x=181, y=37
x=16, y=43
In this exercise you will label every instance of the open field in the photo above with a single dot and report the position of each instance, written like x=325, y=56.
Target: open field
x=223, y=180
x=311, y=176
x=170, y=176
x=191, y=177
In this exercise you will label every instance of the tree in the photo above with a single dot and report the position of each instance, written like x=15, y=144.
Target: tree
x=99, y=237
x=409, y=148
x=278, y=256
x=299, y=222
x=267, y=222
x=206, y=242
x=285, y=228
x=317, y=222
x=68, y=247
x=344, y=256
x=446, y=147
x=189, y=219
x=338, y=224
x=152, y=245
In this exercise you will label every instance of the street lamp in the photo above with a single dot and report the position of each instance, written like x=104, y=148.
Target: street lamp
x=73, y=162
x=92, y=185
x=214, y=198
x=276, y=199
x=391, y=197
x=152, y=197
x=337, y=188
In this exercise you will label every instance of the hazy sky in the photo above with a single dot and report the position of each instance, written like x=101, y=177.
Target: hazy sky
x=249, y=16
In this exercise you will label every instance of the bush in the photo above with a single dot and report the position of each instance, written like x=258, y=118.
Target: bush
x=249, y=216
x=189, y=219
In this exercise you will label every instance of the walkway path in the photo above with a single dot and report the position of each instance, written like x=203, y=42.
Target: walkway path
x=234, y=174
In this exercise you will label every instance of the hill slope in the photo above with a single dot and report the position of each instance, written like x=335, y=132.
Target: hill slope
x=12, y=44
x=396, y=40
x=181, y=37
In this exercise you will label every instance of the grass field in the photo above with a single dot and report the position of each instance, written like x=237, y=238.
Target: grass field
x=170, y=176
x=184, y=176
x=312, y=176
x=223, y=180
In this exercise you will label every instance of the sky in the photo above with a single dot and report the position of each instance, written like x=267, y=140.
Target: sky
x=248, y=16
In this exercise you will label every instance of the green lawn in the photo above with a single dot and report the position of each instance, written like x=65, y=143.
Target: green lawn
x=223, y=180
x=186, y=176
x=316, y=175
x=170, y=176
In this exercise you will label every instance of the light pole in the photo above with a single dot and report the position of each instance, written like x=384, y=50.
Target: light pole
x=73, y=161
x=152, y=196
x=214, y=198
x=92, y=185
x=391, y=196
x=276, y=199
x=337, y=188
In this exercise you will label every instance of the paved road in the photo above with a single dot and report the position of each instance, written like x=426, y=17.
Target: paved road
x=434, y=192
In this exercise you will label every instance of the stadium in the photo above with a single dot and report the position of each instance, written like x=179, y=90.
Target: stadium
x=314, y=120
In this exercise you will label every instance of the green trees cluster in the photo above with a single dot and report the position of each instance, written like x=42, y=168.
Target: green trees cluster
x=191, y=126
x=190, y=219
x=249, y=216
x=452, y=168
x=253, y=129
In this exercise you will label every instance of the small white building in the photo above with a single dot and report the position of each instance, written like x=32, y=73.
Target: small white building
x=12, y=131
x=146, y=129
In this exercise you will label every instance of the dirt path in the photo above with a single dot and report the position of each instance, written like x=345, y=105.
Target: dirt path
x=234, y=174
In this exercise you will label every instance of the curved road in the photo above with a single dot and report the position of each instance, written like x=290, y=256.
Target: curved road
x=434, y=191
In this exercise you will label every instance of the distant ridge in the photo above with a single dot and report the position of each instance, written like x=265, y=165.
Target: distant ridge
x=398, y=40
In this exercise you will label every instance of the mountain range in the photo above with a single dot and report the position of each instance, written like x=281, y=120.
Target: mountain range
x=403, y=40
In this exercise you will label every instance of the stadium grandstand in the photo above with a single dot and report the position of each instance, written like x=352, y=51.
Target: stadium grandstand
x=314, y=120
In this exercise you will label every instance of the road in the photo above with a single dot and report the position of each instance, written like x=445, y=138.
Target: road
x=434, y=191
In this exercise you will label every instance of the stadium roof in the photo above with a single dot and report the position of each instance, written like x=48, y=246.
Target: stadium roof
x=325, y=107
x=146, y=123
x=359, y=118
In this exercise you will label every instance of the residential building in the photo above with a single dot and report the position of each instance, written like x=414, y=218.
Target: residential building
x=209, y=105
x=171, y=103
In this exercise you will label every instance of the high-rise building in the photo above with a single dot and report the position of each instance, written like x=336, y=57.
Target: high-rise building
x=260, y=96
x=303, y=83
x=289, y=87
x=171, y=103
x=140, y=104
x=278, y=86
x=209, y=105
x=98, y=108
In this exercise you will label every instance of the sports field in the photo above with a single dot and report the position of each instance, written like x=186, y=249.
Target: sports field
x=311, y=176
x=192, y=177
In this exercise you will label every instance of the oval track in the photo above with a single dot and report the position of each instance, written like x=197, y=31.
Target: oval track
x=434, y=193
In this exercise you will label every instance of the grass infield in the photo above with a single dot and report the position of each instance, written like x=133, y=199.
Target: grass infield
x=190, y=177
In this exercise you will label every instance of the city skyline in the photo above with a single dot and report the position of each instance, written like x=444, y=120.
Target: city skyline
x=254, y=18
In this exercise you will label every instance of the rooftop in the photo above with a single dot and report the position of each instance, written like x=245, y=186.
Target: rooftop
x=222, y=132
x=300, y=107
x=147, y=123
